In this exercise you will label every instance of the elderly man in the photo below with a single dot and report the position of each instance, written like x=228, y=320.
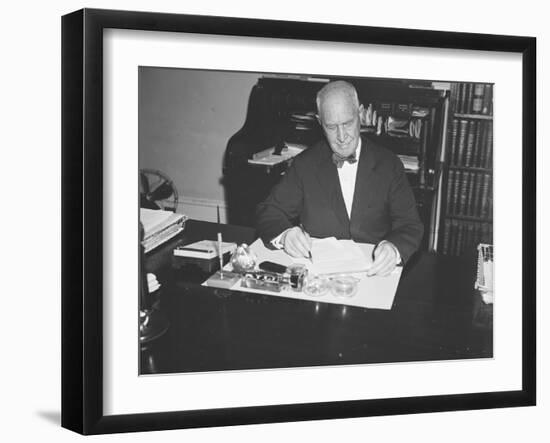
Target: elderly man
x=346, y=186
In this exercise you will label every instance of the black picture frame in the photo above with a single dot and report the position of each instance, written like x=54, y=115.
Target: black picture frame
x=82, y=218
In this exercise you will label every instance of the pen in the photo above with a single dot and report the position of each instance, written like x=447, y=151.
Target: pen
x=309, y=252
x=220, y=255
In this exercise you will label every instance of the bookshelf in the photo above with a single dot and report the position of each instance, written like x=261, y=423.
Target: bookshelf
x=466, y=217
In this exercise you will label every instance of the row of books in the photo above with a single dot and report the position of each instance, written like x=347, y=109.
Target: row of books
x=472, y=98
x=469, y=194
x=471, y=143
x=460, y=236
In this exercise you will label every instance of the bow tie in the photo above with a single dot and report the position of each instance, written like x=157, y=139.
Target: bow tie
x=338, y=160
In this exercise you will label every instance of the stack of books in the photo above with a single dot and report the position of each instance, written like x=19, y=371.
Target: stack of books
x=159, y=226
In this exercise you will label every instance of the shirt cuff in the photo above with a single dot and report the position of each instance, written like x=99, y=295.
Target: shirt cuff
x=277, y=241
x=397, y=254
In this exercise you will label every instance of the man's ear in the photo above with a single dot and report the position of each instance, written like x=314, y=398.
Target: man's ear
x=318, y=119
x=360, y=111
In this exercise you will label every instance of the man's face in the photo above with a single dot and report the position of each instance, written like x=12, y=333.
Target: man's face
x=339, y=118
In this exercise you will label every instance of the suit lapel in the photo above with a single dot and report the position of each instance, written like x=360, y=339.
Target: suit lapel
x=365, y=172
x=327, y=175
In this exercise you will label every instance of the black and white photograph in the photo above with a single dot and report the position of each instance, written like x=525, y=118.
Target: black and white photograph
x=274, y=221
x=296, y=220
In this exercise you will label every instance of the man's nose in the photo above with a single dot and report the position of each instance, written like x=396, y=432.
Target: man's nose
x=340, y=133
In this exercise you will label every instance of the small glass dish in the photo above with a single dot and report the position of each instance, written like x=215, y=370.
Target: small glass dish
x=316, y=286
x=344, y=286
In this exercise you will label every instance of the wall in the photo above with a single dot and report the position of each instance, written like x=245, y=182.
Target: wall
x=186, y=118
x=30, y=370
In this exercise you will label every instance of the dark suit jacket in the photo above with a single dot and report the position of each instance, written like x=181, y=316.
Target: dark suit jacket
x=383, y=207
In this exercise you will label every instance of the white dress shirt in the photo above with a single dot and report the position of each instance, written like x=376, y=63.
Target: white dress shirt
x=347, y=175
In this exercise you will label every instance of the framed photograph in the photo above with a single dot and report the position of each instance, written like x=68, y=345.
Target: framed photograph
x=195, y=149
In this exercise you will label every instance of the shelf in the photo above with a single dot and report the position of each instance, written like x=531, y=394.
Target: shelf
x=471, y=169
x=473, y=116
x=470, y=218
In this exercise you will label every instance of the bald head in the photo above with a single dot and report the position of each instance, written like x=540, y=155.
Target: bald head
x=338, y=113
x=337, y=90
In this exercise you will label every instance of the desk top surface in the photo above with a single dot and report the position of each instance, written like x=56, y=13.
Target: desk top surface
x=435, y=316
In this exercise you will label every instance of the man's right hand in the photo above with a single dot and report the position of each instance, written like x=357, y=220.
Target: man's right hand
x=296, y=242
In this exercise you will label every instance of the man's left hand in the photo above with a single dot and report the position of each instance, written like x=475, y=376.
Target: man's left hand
x=385, y=259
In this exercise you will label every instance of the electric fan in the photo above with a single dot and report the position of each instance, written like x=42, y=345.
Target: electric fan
x=156, y=190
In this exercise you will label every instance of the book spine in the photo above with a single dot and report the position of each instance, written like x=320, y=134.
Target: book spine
x=477, y=101
x=463, y=193
x=477, y=146
x=485, y=195
x=450, y=184
x=446, y=236
x=489, y=147
x=456, y=189
x=471, y=186
x=453, y=140
x=471, y=133
x=476, y=212
x=487, y=105
x=463, y=95
x=469, y=98
x=458, y=97
x=483, y=145
x=461, y=141
x=454, y=97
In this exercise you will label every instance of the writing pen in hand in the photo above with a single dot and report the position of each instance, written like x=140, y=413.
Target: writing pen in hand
x=309, y=252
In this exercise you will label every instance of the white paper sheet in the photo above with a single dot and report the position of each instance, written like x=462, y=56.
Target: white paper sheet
x=373, y=292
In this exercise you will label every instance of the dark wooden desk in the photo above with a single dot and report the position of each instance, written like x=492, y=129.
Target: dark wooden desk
x=433, y=318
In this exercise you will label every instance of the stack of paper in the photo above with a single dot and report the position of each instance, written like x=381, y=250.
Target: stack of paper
x=330, y=256
x=410, y=162
x=159, y=226
x=206, y=249
x=268, y=158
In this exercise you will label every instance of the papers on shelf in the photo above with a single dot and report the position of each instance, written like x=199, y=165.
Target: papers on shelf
x=267, y=158
x=410, y=162
x=206, y=249
x=159, y=226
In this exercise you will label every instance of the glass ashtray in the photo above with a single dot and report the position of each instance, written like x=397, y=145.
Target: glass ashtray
x=344, y=286
x=316, y=286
